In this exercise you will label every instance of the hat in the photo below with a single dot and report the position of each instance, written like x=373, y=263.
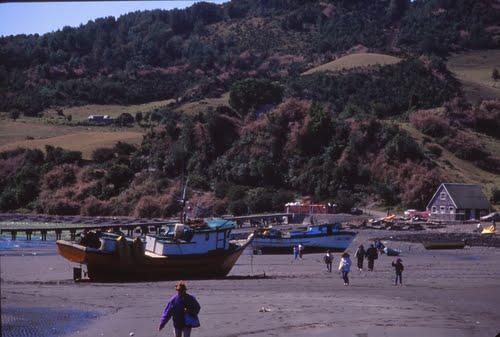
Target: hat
x=181, y=285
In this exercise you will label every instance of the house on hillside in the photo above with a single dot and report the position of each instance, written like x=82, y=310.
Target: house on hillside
x=461, y=202
x=100, y=119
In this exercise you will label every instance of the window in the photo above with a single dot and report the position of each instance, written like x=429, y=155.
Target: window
x=443, y=196
x=434, y=209
x=452, y=210
x=442, y=209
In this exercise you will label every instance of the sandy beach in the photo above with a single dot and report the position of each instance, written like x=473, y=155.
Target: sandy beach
x=446, y=293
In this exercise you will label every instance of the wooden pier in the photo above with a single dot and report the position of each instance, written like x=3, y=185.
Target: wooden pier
x=44, y=224
x=31, y=224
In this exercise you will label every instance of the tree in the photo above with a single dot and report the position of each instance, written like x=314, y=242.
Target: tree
x=250, y=94
x=14, y=114
x=495, y=195
x=102, y=155
x=119, y=176
x=125, y=119
x=138, y=118
x=397, y=8
x=495, y=75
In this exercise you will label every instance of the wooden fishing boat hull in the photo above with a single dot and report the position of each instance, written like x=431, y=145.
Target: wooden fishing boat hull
x=443, y=245
x=103, y=266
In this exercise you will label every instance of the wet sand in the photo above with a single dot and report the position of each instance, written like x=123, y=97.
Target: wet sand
x=446, y=293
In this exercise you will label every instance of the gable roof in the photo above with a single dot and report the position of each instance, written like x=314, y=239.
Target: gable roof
x=468, y=196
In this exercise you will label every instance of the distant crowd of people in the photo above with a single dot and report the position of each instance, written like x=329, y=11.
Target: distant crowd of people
x=371, y=254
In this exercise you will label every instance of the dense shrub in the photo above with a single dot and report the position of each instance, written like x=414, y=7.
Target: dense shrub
x=125, y=119
x=345, y=201
x=495, y=196
x=8, y=200
x=402, y=147
x=60, y=176
x=436, y=150
x=59, y=206
x=250, y=94
x=148, y=207
x=430, y=123
x=119, y=176
x=57, y=156
x=124, y=149
x=102, y=155
x=95, y=207
x=237, y=207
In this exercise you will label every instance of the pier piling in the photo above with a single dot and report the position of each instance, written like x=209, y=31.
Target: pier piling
x=43, y=232
x=28, y=234
x=72, y=233
x=58, y=234
x=13, y=235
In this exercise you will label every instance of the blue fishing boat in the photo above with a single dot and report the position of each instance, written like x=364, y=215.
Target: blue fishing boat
x=314, y=238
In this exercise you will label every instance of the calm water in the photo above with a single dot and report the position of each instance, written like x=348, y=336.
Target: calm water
x=21, y=246
x=42, y=322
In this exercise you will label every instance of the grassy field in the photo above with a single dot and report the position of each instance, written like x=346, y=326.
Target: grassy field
x=84, y=139
x=192, y=108
x=474, y=69
x=352, y=61
x=458, y=170
x=80, y=113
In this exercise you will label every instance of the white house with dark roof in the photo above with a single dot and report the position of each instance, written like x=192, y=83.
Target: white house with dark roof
x=461, y=202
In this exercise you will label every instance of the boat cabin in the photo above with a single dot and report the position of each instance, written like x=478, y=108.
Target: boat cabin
x=184, y=240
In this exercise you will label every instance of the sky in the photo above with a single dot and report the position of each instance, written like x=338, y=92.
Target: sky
x=31, y=18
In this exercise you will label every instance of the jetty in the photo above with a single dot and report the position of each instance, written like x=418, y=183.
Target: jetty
x=30, y=224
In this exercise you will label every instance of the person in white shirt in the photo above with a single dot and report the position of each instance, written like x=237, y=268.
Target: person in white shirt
x=345, y=267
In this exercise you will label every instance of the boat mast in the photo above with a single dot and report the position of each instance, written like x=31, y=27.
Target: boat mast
x=183, y=202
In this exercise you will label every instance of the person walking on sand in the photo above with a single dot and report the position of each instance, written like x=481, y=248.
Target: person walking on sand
x=295, y=252
x=301, y=250
x=360, y=256
x=372, y=255
x=398, y=266
x=183, y=309
x=328, y=258
x=345, y=267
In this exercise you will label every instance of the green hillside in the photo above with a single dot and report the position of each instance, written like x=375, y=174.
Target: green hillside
x=252, y=123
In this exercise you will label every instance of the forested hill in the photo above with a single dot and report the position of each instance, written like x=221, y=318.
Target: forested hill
x=263, y=101
x=199, y=51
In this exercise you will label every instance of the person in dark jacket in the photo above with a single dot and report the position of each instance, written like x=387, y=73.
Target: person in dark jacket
x=178, y=308
x=398, y=266
x=372, y=255
x=360, y=256
x=328, y=258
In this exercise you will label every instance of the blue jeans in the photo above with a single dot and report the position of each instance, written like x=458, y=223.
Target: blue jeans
x=345, y=276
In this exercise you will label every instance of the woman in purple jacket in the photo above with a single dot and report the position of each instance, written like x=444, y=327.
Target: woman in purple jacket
x=180, y=306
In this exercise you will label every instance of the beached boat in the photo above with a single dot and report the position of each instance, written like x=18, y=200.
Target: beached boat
x=316, y=238
x=443, y=244
x=192, y=251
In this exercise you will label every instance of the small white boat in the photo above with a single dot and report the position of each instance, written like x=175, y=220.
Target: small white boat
x=316, y=238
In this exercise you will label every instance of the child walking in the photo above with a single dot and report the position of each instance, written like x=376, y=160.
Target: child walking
x=345, y=267
x=398, y=266
x=328, y=258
